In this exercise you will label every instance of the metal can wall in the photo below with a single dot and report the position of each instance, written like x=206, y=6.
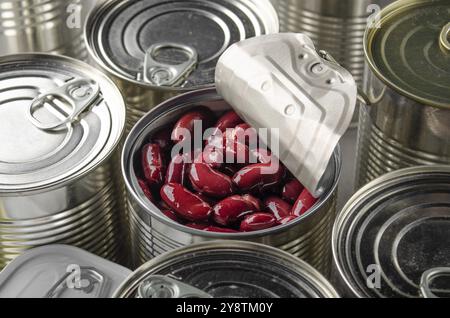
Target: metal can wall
x=226, y=269
x=152, y=233
x=392, y=238
x=157, y=49
x=407, y=84
x=54, y=26
x=60, y=128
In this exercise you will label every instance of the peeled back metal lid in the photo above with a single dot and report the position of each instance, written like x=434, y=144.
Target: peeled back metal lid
x=229, y=269
x=410, y=50
x=172, y=43
x=60, y=271
x=59, y=119
x=392, y=239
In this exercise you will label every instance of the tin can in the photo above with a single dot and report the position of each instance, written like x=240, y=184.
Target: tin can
x=392, y=238
x=407, y=123
x=158, y=49
x=152, y=234
x=226, y=269
x=52, y=26
x=60, y=128
x=60, y=271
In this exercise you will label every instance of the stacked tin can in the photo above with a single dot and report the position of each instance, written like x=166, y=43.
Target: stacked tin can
x=44, y=26
x=407, y=86
x=60, y=126
x=392, y=238
x=158, y=49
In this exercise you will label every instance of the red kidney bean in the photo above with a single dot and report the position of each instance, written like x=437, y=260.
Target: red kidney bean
x=231, y=209
x=153, y=164
x=287, y=219
x=229, y=120
x=246, y=134
x=212, y=156
x=197, y=226
x=304, y=202
x=209, y=181
x=187, y=122
x=178, y=169
x=259, y=177
x=253, y=201
x=219, y=230
x=144, y=187
x=186, y=204
x=171, y=215
x=257, y=222
x=163, y=139
x=278, y=207
x=291, y=190
x=237, y=153
x=262, y=155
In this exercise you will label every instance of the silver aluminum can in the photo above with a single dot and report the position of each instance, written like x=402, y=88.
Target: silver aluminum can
x=60, y=126
x=152, y=234
x=408, y=80
x=157, y=49
x=48, y=26
x=392, y=238
x=226, y=269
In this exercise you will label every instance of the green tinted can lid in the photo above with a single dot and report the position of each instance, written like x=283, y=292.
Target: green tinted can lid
x=410, y=50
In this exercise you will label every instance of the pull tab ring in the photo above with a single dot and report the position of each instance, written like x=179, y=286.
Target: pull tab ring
x=428, y=277
x=162, y=74
x=158, y=286
x=444, y=38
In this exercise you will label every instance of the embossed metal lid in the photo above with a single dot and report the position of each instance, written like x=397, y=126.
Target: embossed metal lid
x=392, y=239
x=60, y=271
x=172, y=43
x=59, y=119
x=229, y=269
x=411, y=49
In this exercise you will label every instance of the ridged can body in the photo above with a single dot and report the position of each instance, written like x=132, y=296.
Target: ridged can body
x=47, y=26
x=120, y=35
x=400, y=128
x=58, y=186
x=153, y=234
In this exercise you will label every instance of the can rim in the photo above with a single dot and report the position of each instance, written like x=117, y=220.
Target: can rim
x=46, y=186
x=218, y=245
x=99, y=8
x=369, y=34
x=370, y=189
x=136, y=132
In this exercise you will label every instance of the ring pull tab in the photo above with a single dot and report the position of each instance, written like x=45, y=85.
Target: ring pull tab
x=66, y=102
x=164, y=74
x=427, y=279
x=89, y=281
x=444, y=38
x=158, y=286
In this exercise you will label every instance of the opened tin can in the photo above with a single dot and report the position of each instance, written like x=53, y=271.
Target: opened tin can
x=407, y=122
x=392, y=239
x=54, y=26
x=60, y=271
x=152, y=233
x=60, y=126
x=157, y=49
x=226, y=269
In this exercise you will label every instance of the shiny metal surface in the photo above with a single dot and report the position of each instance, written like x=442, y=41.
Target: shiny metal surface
x=119, y=35
x=398, y=130
x=58, y=186
x=153, y=234
x=392, y=238
x=50, y=26
x=234, y=270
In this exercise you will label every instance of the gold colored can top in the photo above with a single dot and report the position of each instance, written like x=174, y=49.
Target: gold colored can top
x=410, y=49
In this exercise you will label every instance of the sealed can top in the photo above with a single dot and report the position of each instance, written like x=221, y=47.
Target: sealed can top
x=60, y=271
x=59, y=119
x=172, y=43
x=230, y=269
x=392, y=239
x=409, y=49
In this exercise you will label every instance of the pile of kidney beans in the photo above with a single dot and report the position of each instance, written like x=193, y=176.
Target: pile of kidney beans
x=219, y=197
